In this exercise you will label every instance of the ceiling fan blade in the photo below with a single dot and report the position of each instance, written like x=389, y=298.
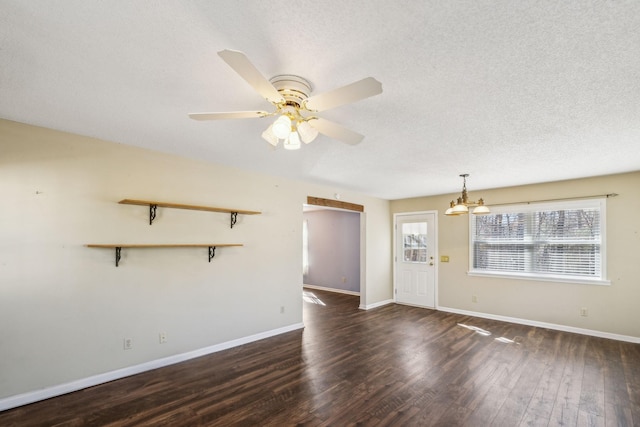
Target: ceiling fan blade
x=241, y=64
x=336, y=131
x=230, y=115
x=344, y=95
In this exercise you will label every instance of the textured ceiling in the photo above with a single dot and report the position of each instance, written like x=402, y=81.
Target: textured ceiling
x=511, y=92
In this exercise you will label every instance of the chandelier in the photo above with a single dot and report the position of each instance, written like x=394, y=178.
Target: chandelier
x=462, y=205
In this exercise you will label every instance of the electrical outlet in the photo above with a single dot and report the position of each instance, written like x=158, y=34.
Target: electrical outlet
x=344, y=279
x=127, y=344
x=474, y=298
x=162, y=336
x=584, y=312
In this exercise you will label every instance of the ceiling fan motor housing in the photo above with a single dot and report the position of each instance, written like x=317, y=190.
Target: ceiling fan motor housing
x=294, y=89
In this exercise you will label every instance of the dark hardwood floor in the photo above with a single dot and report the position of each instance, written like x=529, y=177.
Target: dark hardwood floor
x=394, y=365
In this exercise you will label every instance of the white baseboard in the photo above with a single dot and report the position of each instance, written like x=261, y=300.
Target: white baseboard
x=339, y=291
x=535, y=323
x=58, y=390
x=376, y=304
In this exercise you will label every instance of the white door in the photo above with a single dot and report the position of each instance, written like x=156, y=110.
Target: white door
x=415, y=264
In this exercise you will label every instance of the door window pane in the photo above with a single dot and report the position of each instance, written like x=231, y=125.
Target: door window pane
x=414, y=237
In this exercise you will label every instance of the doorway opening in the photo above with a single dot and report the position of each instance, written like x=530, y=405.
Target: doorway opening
x=333, y=247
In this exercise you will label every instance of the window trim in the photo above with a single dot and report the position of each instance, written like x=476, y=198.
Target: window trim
x=555, y=205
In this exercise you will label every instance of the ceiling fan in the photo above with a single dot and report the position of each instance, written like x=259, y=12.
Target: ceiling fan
x=294, y=108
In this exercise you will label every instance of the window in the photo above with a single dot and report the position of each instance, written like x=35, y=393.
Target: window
x=414, y=238
x=558, y=241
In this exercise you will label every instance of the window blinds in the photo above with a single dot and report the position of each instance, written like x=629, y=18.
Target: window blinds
x=562, y=239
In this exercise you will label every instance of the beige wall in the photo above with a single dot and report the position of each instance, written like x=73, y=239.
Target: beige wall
x=611, y=309
x=65, y=308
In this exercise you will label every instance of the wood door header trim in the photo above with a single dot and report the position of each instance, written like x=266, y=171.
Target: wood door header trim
x=318, y=201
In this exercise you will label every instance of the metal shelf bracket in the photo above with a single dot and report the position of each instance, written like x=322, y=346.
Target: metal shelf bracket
x=152, y=213
x=118, y=250
x=212, y=252
x=234, y=218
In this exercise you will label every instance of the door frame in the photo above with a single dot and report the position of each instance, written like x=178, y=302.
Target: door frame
x=435, y=252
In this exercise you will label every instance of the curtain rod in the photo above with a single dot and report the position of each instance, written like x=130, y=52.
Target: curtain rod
x=597, y=196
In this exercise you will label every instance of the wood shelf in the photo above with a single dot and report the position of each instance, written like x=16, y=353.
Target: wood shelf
x=153, y=205
x=118, y=247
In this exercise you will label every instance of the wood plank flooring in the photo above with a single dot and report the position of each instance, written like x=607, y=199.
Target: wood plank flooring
x=394, y=365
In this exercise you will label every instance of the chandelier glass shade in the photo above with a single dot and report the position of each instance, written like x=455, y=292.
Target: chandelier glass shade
x=462, y=205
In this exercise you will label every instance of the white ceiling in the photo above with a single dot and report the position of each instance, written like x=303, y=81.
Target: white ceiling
x=512, y=92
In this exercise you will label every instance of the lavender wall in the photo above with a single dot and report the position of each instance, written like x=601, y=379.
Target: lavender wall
x=334, y=249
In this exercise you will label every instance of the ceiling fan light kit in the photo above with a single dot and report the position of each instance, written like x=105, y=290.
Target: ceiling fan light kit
x=294, y=108
x=462, y=205
x=290, y=126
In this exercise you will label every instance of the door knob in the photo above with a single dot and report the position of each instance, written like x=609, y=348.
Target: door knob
x=431, y=263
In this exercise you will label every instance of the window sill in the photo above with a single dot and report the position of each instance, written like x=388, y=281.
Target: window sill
x=538, y=278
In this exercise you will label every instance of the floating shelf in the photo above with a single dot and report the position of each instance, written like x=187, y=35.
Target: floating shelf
x=118, y=247
x=153, y=205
